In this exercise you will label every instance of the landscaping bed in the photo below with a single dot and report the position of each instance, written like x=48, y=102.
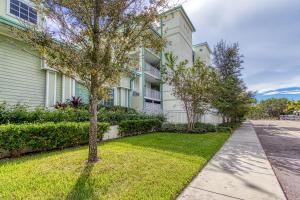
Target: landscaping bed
x=149, y=166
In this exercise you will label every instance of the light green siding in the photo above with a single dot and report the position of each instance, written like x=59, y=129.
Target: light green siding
x=21, y=78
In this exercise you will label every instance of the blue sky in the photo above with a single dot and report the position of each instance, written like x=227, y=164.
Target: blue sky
x=268, y=32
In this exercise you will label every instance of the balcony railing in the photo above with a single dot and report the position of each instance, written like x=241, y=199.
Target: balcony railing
x=152, y=94
x=152, y=70
x=152, y=108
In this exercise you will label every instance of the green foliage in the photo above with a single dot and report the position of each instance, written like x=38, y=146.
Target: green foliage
x=134, y=127
x=183, y=128
x=113, y=115
x=231, y=97
x=293, y=106
x=270, y=109
x=199, y=127
x=17, y=138
x=193, y=85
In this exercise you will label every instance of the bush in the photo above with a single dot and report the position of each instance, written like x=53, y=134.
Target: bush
x=232, y=125
x=18, y=138
x=135, y=127
x=113, y=115
x=183, y=128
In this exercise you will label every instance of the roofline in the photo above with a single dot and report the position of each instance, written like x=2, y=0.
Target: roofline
x=181, y=9
x=202, y=44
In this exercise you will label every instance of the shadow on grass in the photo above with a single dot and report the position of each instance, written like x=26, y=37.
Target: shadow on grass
x=82, y=188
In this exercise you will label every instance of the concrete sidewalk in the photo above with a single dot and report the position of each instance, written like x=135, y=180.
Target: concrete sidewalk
x=240, y=170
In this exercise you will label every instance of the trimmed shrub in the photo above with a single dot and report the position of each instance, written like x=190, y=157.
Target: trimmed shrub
x=135, y=127
x=232, y=125
x=18, y=138
x=114, y=115
x=207, y=127
x=182, y=128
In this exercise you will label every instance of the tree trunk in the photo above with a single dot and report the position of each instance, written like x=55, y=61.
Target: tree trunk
x=92, y=158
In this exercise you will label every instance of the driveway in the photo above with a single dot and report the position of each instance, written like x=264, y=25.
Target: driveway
x=281, y=142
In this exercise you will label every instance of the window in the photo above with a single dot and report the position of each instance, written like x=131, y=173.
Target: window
x=110, y=101
x=23, y=11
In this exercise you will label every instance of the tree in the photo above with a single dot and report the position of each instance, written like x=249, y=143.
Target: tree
x=91, y=40
x=230, y=98
x=271, y=108
x=293, y=106
x=274, y=107
x=192, y=85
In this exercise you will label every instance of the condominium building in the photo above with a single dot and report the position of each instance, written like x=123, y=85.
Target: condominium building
x=26, y=79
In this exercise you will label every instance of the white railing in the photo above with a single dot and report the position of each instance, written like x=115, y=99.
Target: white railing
x=152, y=70
x=152, y=108
x=152, y=94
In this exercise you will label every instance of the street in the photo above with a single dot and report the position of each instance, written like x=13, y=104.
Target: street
x=281, y=142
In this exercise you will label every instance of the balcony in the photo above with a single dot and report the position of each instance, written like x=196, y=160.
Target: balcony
x=152, y=94
x=152, y=108
x=153, y=71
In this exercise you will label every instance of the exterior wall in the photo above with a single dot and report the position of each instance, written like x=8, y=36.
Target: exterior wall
x=201, y=51
x=21, y=78
x=179, y=36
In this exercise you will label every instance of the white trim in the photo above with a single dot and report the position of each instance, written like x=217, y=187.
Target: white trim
x=47, y=89
x=55, y=85
x=73, y=87
x=63, y=84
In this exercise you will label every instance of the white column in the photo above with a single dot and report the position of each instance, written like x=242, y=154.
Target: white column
x=63, y=85
x=47, y=89
x=54, y=94
x=73, y=87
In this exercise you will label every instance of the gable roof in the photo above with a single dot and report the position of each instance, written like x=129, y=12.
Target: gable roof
x=182, y=11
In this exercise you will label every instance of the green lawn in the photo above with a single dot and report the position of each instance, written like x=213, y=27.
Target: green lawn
x=151, y=166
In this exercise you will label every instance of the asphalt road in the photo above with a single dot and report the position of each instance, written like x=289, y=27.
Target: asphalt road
x=281, y=142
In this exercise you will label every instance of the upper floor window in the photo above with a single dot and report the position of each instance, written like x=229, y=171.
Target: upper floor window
x=23, y=11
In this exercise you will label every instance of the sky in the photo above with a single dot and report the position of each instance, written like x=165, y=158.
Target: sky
x=268, y=32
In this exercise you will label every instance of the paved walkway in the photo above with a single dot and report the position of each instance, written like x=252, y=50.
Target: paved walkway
x=240, y=170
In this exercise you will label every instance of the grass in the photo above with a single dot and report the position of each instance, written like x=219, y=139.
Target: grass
x=150, y=166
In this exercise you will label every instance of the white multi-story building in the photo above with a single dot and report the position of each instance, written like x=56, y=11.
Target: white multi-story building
x=24, y=78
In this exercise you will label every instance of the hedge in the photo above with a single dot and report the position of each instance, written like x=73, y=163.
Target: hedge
x=199, y=128
x=20, y=138
x=135, y=127
x=20, y=114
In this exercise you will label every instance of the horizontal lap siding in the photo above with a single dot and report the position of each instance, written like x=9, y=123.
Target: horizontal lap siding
x=21, y=78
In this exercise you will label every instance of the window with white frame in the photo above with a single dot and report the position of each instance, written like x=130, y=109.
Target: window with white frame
x=23, y=10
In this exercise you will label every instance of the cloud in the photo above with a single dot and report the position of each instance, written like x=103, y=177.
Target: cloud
x=267, y=31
